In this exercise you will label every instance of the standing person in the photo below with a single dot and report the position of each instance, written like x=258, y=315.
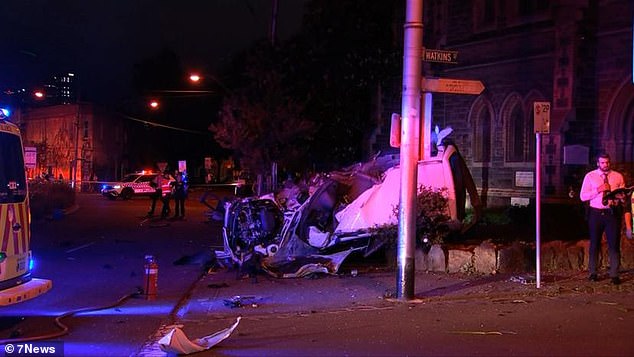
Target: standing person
x=157, y=184
x=166, y=194
x=604, y=215
x=179, y=191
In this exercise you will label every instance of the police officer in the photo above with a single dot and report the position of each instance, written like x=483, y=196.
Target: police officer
x=179, y=191
x=156, y=184
x=166, y=194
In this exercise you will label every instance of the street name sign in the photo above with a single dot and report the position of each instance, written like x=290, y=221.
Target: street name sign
x=440, y=56
x=452, y=86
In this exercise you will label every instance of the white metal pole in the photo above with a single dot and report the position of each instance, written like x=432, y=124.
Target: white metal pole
x=426, y=127
x=538, y=195
x=410, y=124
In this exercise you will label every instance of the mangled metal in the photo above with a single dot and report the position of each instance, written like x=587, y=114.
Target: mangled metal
x=175, y=341
x=312, y=228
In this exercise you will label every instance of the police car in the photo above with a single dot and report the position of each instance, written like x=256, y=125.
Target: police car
x=136, y=184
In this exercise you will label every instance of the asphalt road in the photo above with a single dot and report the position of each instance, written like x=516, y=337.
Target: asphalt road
x=95, y=257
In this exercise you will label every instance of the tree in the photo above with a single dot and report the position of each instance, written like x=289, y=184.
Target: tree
x=346, y=50
x=263, y=124
x=320, y=87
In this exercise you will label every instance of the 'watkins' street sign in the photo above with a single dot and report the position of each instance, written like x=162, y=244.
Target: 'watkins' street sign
x=441, y=56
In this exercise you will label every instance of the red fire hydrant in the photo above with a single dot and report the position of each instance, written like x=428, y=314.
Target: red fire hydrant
x=150, y=278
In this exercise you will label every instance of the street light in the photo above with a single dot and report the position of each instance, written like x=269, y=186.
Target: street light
x=198, y=79
x=195, y=78
x=154, y=104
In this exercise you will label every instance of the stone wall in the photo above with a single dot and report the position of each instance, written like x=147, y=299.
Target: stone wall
x=518, y=257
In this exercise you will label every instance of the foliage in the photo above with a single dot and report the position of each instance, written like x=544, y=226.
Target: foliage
x=345, y=53
x=46, y=197
x=313, y=99
x=431, y=218
x=262, y=122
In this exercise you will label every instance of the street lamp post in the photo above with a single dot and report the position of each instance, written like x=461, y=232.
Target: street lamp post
x=76, y=158
x=77, y=126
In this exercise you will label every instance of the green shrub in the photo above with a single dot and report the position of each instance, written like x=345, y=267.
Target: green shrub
x=46, y=197
x=431, y=219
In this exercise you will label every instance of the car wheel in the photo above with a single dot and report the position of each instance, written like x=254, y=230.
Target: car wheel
x=126, y=194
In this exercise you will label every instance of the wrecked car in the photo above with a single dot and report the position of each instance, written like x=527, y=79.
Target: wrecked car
x=312, y=229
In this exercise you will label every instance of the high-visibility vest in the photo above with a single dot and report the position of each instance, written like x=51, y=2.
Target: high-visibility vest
x=166, y=188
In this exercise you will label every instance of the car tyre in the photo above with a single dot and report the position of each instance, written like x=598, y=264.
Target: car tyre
x=126, y=194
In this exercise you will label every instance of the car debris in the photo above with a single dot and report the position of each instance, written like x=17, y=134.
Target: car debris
x=312, y=228
x=175, y=341
x=524, y=280
x=241, y=301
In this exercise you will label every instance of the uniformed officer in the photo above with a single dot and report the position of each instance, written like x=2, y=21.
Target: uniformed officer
x=179, y=192
x=156, y=195
x=166, y=194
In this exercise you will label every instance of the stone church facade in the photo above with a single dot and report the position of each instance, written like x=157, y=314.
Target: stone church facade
x=576, y=55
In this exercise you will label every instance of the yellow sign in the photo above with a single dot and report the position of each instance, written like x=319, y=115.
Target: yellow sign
x=541, y=112
x=452, y=86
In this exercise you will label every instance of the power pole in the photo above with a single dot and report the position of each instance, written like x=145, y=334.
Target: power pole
x=275, y=7
x=76, y=157
x=410, y=141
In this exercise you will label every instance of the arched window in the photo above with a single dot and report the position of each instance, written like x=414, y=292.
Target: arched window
x=515, y=133
x=482, y=135
x=627, y=139
x=520, y=143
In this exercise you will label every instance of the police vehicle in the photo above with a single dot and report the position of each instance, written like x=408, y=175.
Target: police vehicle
x=136, y=184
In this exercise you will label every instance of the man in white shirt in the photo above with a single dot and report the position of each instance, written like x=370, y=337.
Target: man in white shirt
x=604, y=215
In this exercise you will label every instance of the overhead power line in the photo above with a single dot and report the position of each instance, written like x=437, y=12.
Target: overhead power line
x=150, y=123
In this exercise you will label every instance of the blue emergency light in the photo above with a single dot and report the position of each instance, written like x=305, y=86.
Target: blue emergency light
x=4, y=113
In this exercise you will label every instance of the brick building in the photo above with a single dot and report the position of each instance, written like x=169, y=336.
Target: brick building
x=63, y=133
x=577, y=55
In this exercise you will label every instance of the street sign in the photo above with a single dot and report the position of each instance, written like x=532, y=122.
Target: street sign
x=440, y=56
x=541, y=118
x=30, y=157
x=453, y=86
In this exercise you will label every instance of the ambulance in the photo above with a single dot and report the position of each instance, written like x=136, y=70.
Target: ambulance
x=16, y=260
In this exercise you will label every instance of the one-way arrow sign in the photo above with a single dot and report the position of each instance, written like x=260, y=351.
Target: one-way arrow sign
x=453, y=86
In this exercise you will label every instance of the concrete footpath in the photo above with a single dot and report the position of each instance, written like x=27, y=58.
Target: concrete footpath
x=355, y=314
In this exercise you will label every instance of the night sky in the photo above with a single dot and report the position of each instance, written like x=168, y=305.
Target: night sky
x=102, y=40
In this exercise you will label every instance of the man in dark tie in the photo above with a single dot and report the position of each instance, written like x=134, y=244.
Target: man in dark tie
x=604, y=216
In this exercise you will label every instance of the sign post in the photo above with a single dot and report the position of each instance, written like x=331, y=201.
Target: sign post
x=410, y=131
x=541, y=116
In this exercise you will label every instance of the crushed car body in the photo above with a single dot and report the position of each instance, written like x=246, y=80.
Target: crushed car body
x=308, y=229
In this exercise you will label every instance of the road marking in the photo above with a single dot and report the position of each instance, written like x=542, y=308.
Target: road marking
x=80, y=247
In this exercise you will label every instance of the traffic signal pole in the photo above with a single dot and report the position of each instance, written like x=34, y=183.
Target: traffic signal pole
x=410, y=141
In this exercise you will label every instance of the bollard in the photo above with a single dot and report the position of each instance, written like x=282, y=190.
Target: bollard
x=150, y=278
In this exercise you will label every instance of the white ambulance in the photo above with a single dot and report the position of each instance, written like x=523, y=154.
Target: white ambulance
x=16, y=261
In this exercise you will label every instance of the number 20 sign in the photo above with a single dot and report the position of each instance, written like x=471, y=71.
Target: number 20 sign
x=541, y=112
